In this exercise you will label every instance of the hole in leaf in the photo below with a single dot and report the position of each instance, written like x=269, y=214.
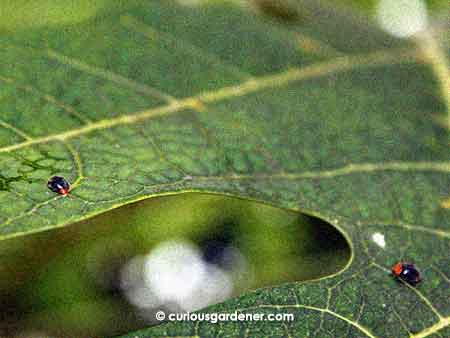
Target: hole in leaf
x=109, y=275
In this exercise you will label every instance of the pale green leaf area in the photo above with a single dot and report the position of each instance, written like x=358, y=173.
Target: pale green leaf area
x=330, y=117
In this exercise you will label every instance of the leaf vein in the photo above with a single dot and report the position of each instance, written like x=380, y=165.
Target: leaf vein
x=442, y=323
x=15, y=130
x=78, y=164
x=109, y=75
x=358, y=326
x=49, y=98
x=345, y=170
x=340, y=64
x=412, y=227
x=424, y=299
x=150, y=32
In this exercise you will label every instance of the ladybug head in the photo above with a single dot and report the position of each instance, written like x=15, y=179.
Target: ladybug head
x=397, y=269
x=64, y=191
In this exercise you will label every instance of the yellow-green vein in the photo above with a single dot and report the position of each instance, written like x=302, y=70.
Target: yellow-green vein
x=252, y=85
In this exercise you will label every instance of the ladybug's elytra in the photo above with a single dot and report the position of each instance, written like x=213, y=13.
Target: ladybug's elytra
x=406, y=272
x=59, y=185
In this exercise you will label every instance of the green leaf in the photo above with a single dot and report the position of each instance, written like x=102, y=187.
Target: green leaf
x=330, y=117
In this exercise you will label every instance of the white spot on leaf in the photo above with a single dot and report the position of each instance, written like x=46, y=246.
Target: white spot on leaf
x=378, y=238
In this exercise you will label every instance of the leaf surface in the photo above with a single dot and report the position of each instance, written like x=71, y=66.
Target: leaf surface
x=330, y=117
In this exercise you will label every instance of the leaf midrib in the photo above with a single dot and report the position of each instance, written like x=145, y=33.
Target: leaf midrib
x=337, y=65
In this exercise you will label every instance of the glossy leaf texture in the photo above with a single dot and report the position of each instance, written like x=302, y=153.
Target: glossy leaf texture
x=330, y=117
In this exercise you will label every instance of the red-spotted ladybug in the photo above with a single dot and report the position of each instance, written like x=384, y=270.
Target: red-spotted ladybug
x=406, y=272
x=59, y=185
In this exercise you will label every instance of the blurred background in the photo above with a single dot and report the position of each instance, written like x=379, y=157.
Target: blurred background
x=110, y=274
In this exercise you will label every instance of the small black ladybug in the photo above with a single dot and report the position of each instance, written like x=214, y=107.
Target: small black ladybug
x=59, y=185
x=407, y=272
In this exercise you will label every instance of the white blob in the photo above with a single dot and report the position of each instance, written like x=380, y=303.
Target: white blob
x=402, y=18
x=133, y=285
x=378, y=238
x=174, y=275
x=142, y=297
x=174, y=270
x=216, y=287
